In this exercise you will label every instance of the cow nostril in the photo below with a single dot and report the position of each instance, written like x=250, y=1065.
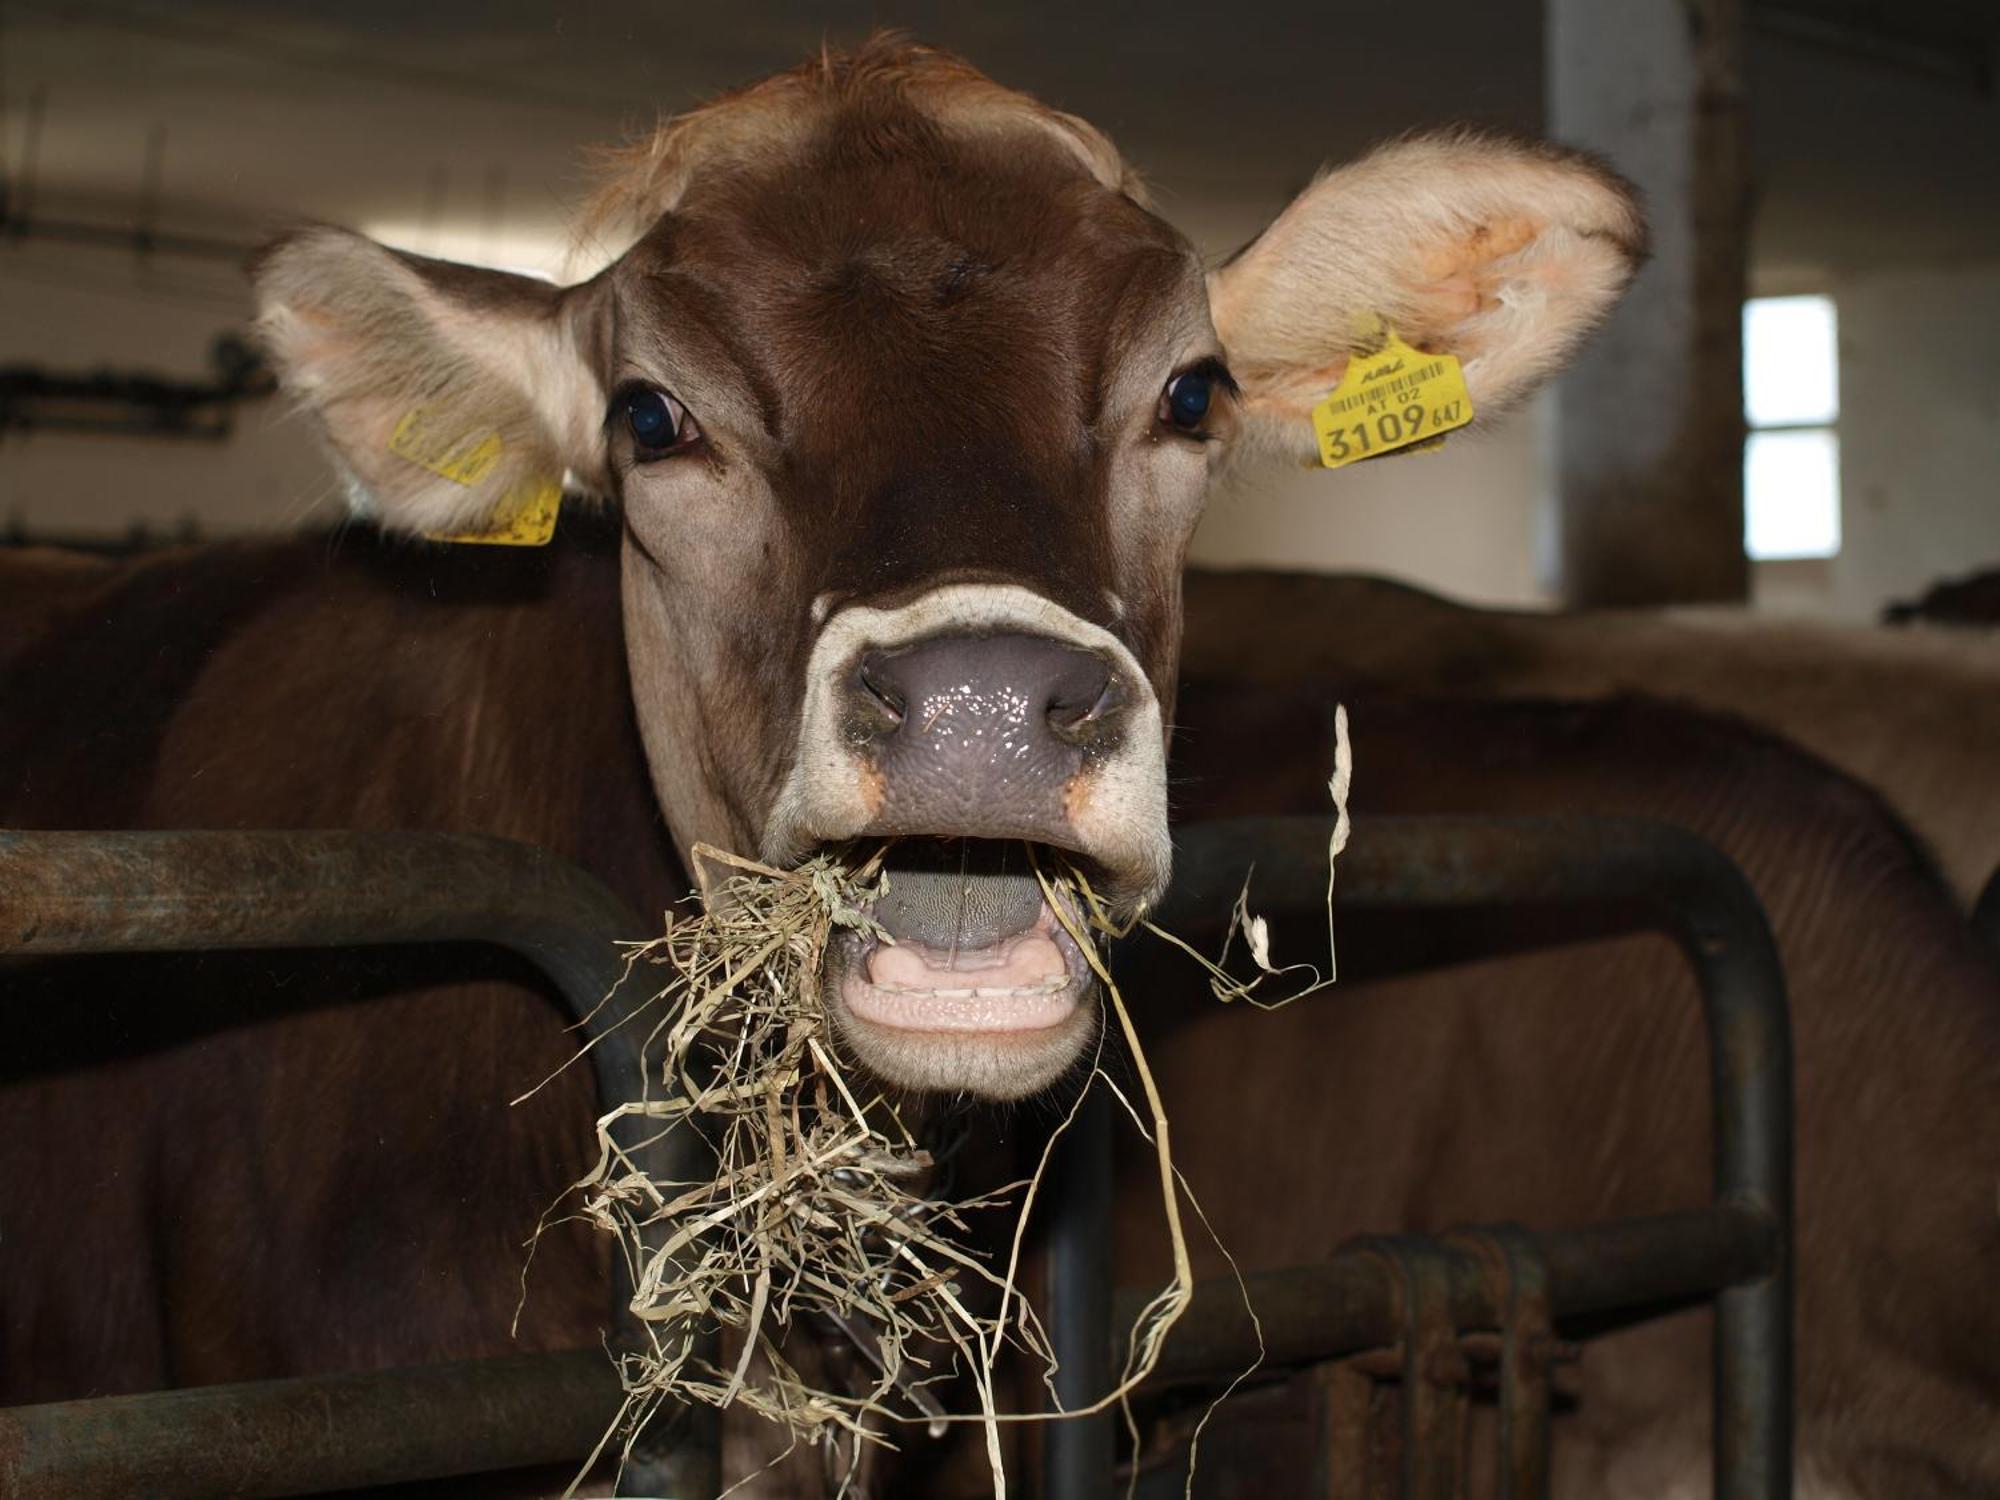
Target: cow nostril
x=1076, y=708
x=881, y=700
x=1015, y=691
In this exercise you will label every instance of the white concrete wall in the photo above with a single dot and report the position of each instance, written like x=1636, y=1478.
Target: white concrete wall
x=1466, y=520
x=1919, y=433
x=77, y=311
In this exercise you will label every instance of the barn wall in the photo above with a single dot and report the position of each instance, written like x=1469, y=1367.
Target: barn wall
x=77, y=311
x=1463, y=520
x=1919, y=436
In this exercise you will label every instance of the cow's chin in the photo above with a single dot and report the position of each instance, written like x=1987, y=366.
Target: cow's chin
x=999, y=1005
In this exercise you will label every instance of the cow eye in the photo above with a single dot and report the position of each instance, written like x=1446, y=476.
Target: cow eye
x=658, y=423
x=1184, y=403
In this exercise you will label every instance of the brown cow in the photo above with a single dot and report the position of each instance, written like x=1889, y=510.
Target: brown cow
x=266, y=1168
x=1915, y=714
x=908, y=405
x=1571, y=1087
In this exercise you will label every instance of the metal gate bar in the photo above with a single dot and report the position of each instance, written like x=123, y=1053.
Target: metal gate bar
x=1579, y=878
x=311, y=1435
x=1342, y=1305
x=153, y=892
x=161, y=892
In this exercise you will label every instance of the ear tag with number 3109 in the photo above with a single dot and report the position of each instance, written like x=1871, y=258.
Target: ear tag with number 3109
x=1388, y=400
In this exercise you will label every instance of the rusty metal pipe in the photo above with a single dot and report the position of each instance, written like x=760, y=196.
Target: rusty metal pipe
x=161, y=892
x=172, y=892
x=1347, y=1303
x=157, y=892
x=1077, y=1455
x=307, y=1436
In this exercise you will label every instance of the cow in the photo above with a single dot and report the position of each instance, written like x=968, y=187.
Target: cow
x=1971, y=602
x=1915, y=714
x=1571, y=1086
x=906, y=403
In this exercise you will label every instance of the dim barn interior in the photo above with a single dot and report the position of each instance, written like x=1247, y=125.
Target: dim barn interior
x=862, y=750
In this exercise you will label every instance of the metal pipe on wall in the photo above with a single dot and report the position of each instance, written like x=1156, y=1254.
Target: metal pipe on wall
x=315, y=1434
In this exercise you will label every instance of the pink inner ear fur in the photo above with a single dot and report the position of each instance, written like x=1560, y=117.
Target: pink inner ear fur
x=1292, y=393
x=1458, y=278
x=1462, y=274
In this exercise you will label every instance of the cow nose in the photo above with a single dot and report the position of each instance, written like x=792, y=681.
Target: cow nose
x=982, y=735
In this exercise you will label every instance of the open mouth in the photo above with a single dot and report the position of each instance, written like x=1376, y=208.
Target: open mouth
x=975, y=947
x=978, y=987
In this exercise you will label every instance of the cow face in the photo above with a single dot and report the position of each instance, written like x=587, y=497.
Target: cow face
x=909, y=404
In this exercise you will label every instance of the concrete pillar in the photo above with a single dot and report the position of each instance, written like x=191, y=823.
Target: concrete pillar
x=1649, y=424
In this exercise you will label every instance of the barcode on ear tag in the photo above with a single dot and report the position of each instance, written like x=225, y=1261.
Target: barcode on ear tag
x=526, y=514
x=463, y=460
x=1390, y=400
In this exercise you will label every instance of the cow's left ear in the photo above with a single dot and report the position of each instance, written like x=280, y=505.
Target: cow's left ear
x=1502, y=253
x=449, y=392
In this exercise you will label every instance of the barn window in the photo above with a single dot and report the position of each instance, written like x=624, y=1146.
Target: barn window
x=1791, y=398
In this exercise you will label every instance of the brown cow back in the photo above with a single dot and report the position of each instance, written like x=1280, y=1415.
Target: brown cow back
x=280, y=1163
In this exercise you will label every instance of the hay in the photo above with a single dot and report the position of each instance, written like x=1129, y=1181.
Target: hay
x=817, y=1206
x=1256, y=931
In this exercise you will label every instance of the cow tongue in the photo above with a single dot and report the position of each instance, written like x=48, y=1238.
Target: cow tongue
x=959, y=895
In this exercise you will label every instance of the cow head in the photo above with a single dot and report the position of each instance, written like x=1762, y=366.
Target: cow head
x=909, y=404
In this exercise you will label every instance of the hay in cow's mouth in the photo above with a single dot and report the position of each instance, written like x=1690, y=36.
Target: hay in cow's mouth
x=817, y=1206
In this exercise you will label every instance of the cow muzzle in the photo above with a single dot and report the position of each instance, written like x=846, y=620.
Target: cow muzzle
x=992, y=736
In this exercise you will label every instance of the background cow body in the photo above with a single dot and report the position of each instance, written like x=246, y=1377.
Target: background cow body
x=261, y=1162
x=1915, y=714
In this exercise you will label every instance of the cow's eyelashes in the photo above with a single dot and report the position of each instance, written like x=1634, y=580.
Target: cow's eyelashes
x=660, y=425
x=1189, y=397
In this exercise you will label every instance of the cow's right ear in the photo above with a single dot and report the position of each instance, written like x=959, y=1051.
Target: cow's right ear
x=1501, y=253
x=446, y=390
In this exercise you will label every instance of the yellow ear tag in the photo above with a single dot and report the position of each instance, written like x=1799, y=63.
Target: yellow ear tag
x=1388, y=400
x=526, y=514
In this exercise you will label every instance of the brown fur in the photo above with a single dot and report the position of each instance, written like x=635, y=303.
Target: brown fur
x=237, y=1183
x=765, y=122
